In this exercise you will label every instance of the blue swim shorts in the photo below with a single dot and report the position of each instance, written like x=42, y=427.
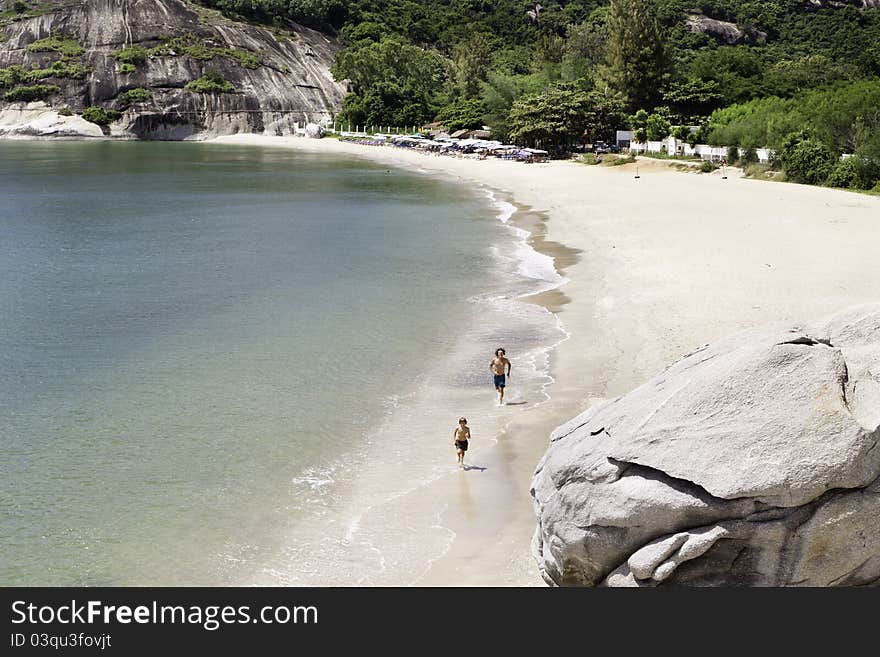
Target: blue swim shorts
x=500, y=381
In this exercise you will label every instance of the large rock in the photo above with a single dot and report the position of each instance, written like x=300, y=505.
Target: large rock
x=753, y=461
x=290, y=85
x=723, y=31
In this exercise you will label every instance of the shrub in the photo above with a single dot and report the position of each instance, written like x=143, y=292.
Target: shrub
x=65, y=111
x=855, y=173
x=245, y=58
x=211, y=82
x=127, y=68
x=844, y=174
x=9, y=77
x=749, y=156
x=707, y=166
x=806, y=160
x=136, y=95
x=732, y=154
x=589, y=158
x=67, y=47
x=59, y=69
x=19, y=7
x=34, y=92
x=133, y=55
x=100, y=116
x=188, y=45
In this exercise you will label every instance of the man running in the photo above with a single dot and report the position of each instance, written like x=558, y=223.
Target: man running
x=497, y=368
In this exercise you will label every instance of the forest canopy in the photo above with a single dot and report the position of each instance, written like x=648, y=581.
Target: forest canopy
x=560, y=71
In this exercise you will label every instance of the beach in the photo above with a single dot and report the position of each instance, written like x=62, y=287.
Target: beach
x=654, y=268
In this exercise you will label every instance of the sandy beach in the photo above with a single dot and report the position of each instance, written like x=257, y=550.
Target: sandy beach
x=657, y=266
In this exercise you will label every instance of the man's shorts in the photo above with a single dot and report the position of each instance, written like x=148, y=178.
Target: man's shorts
x=500, y=381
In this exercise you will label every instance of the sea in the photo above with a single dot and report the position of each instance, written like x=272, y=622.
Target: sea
x=232, y=365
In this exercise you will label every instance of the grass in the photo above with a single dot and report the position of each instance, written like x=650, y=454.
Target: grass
x=616, y=161
x=667, y=156
x=100, y=116
x=762, y=172
x=589, y=159
x=211, y=82
x=30, y=93
x=126, y=68
x=67, y=47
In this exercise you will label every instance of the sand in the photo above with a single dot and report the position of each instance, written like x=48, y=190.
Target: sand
x=657, y=266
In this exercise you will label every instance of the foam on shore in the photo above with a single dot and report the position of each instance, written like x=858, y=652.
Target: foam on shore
x=375, y=520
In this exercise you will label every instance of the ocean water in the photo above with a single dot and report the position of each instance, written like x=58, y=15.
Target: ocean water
x=220, y=362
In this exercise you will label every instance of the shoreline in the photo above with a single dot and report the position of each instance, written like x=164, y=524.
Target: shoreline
x=664, y=264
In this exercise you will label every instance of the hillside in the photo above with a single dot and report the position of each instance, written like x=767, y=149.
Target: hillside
x=158, y=69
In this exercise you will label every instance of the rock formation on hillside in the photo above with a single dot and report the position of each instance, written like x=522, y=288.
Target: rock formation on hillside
x=724, y=32
x=146, y=59
x=753, y=461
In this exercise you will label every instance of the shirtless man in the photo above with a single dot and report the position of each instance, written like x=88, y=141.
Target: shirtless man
x=497, y=368
x=460, y=438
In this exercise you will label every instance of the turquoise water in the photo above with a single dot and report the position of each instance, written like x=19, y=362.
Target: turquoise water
x=189, y=332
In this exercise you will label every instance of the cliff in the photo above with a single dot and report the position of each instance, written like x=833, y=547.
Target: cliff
x=170, y=69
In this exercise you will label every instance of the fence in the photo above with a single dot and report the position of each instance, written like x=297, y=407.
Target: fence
x=673, y=146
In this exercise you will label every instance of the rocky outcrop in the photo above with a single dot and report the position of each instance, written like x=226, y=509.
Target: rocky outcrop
x=753, y=461
x=723, y=31
x=279, y=79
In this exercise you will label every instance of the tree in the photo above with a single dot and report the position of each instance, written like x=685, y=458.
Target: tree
x=471, y=59
x=392, y=82
x=563, y=114
x=584, y=48
x=639, y=124
x=462, y=114
x=657, y=127
x=638, y=61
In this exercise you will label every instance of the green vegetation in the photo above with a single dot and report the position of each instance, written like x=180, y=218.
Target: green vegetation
x=638, y=59
x=100, y=116
x=211, y=82
x=126, y=68
x=618, y=160
x=589, y=159
x=463, y=114
x=65, y=46
x=802, y=80
x=14, y=75
x=65, y=111
x=31, y=93
x=708, y=167
x=564, y=114
x=21, y=10
x=132, y=96
x=134, y=55
x=186, y=45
